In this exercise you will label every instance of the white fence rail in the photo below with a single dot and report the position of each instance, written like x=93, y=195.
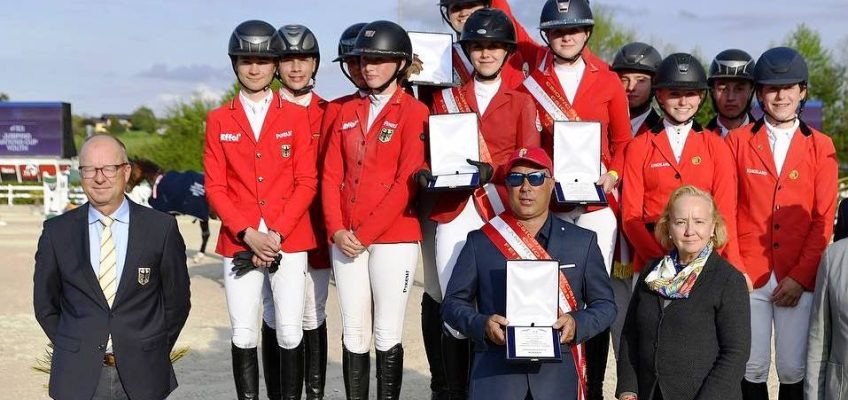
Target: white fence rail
x=12, y=192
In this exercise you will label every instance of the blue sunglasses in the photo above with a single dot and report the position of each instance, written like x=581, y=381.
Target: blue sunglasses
x=515, y=179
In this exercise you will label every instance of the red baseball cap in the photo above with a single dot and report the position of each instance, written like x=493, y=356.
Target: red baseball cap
x=533, y=155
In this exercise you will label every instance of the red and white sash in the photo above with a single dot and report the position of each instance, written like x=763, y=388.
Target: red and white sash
x=489, y=199
x=515, y=243
x=551, y=103
x=462, y=66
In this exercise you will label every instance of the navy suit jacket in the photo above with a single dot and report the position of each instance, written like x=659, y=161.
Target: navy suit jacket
x=480, y=277
x=145, y=319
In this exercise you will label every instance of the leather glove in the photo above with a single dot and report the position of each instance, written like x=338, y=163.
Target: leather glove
x=485, y=169
x=243, y=263
x=424, y=177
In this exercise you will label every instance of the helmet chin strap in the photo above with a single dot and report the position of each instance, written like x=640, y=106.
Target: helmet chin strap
x=302, y=91
x=569, y=60
x=675, y=121
x=388, y=83
x=491, y=77
x=350, y=78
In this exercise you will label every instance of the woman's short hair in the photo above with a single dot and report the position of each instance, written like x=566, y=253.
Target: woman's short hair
x=661, y=231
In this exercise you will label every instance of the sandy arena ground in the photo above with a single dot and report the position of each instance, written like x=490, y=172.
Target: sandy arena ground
x=205, y=373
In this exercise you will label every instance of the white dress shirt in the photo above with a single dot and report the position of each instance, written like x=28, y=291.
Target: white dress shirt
x=256, y=111
x=485, y=92
x=677, y=135
x=569, y=77
x=724, y=129
x=378, y=101
x=779, y=140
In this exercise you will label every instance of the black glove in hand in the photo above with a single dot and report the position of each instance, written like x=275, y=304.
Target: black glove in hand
x=486, y=171
x=423, y=177
x=243, y=263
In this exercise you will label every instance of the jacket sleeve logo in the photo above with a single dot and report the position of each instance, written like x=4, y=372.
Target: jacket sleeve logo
x=143, y=275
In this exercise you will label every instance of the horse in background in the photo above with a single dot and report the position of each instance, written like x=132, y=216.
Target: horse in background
x=178, y=193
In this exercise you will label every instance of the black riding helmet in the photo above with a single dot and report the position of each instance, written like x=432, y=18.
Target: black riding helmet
x=298, y=40
x=253, y=38
x=566, y=14
x=782, y=66
x=489, y=25
x=384, y=39
x=683, y=72
x=637, y=56
x=732, y=64
x=445, y=5
x=680, y=71
x=346, y=42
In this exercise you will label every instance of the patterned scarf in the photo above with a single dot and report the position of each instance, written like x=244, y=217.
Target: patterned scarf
x=672, y=280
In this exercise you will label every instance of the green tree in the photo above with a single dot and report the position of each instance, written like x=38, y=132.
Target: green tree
x=143, y=119
x=827, y=83
x=4, y=96
x=181, y=147
x=608, y=36
x=115, y=126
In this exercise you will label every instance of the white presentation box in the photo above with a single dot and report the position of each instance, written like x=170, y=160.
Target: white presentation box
x=532, y=305
x=577, y=163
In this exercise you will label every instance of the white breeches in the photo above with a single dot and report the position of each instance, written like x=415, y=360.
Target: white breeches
x=374, y=286
x=791, y=326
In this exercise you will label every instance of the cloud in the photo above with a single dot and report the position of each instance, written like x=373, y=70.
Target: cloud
x=189, y=73
x=166, y=100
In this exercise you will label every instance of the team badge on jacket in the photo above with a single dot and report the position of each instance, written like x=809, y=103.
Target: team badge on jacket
x=386, y=135
x=143, y=275
x=285, y=150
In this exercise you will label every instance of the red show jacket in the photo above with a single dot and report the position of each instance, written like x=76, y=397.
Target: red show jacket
x=367, y=183
x=785, y=221
x=319, y=257
x=651, y=174
x=508, y=124
x=600, y=97
x=273, y=179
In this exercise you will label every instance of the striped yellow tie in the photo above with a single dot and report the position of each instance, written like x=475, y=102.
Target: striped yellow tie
x=108, y=257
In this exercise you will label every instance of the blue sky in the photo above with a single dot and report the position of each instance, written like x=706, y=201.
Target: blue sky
x=113, y=56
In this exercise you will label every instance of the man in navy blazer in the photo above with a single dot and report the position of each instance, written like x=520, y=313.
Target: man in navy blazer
x=475, y=301
x=111, y=338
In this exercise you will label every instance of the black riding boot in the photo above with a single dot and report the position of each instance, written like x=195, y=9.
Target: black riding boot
x=271, y=361
x=246, y=373
x=356, y=369
x=597, y=350
x=754, y=391
x=456, y=354
x=389, y=373
x=791, y=391
x=431, y=329
x=291, y=372
x=315, y=366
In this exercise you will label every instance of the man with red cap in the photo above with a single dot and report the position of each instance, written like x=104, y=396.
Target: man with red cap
x=475, y=304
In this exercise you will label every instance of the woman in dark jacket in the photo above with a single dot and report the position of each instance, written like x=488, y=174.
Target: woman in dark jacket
x=687, y=334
